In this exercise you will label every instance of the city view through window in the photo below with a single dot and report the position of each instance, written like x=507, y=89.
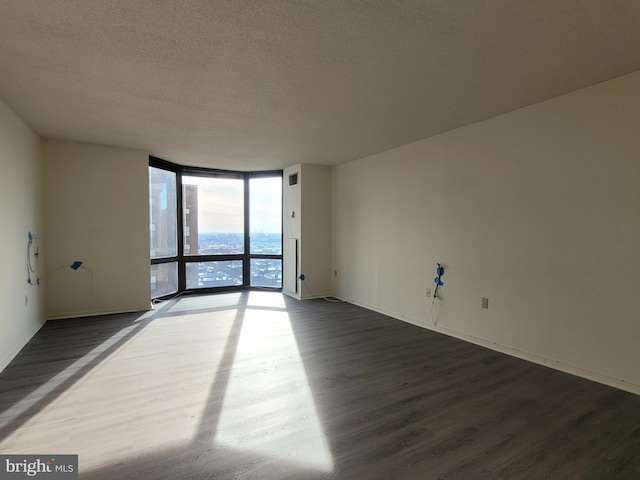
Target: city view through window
x=213, y=232
x=265, y=272
x=214, y=225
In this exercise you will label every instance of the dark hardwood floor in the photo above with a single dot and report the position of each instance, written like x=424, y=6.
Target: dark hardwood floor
x=260, y=386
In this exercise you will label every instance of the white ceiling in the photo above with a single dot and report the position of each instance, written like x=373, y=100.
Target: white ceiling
x=264, y=84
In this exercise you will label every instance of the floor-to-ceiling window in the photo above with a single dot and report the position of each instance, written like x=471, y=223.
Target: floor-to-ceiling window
x=163, y=218
x=225, y=229
x=213, y=230
x=265, y=231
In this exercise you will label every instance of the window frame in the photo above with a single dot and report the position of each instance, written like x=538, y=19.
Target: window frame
x=246, y=257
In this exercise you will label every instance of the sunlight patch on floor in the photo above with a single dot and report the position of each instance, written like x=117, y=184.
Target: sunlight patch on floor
x=266, y=299
x=268, y=405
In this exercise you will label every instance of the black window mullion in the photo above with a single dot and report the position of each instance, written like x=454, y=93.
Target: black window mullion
x=213, y=258
x=158, y=261
x=246, y=270
x=182, y=268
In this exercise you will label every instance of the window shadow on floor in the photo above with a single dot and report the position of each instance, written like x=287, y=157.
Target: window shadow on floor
x=59, y=355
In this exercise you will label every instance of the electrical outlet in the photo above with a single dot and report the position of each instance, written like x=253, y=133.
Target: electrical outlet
x=485, y=302
x=428, y=292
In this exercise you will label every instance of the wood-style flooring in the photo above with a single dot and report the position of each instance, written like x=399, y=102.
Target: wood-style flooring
x=256, y=385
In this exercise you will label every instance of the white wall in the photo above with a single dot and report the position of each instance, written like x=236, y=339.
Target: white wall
x=96, y=211
x=310, y=201
x=21, y=210
x=315, y=247
x=538, y=209
x=291, y=206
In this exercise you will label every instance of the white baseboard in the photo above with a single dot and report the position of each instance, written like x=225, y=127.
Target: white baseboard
x=95, y=313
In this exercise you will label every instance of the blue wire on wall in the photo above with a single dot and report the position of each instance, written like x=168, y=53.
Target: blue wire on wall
x=438, y=280
x=439, y=283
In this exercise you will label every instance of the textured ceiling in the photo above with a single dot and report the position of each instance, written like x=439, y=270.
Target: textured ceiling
x=265, y=84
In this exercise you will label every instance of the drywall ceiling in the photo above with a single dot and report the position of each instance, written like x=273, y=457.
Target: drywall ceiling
x=265, y=84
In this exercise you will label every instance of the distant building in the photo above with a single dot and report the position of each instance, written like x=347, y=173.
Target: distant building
x=190, y=219
x=190, y=210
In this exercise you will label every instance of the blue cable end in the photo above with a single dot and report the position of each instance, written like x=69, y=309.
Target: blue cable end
x=76, y=265
x=439, y=272
x=301, y=277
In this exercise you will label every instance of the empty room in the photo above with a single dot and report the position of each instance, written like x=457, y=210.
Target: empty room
x=320, y=239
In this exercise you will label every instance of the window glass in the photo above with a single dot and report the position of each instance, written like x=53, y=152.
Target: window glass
x=213, y=215
x=265, y=217
x=162, y=213
x=266, y=272
x=214, y=274
x=164, y=279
